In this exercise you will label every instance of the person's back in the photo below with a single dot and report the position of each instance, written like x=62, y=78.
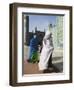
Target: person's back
x=33, y=55
x=34, y=43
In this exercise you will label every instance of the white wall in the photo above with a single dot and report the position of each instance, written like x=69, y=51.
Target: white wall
x=4, y=46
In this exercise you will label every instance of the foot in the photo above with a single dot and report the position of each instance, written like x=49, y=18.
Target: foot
x=47, y=71
x=28, y=60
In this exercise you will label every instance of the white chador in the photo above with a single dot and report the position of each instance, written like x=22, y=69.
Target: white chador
x=47, y=50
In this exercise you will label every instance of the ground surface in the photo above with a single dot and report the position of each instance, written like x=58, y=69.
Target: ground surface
x=30, y=68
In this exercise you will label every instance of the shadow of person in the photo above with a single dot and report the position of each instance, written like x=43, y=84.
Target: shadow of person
x=52, y=69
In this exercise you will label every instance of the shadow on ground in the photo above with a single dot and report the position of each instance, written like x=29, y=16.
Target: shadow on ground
x=32, y=68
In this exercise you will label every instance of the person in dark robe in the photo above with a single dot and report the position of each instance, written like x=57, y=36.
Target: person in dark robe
x=33, y=54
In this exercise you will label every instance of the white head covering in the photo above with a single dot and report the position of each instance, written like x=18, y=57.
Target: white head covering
x=47, y=34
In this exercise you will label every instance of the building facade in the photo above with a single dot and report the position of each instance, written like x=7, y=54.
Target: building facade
x=57, y=32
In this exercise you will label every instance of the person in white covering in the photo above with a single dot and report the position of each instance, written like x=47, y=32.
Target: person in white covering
x=46, y=53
